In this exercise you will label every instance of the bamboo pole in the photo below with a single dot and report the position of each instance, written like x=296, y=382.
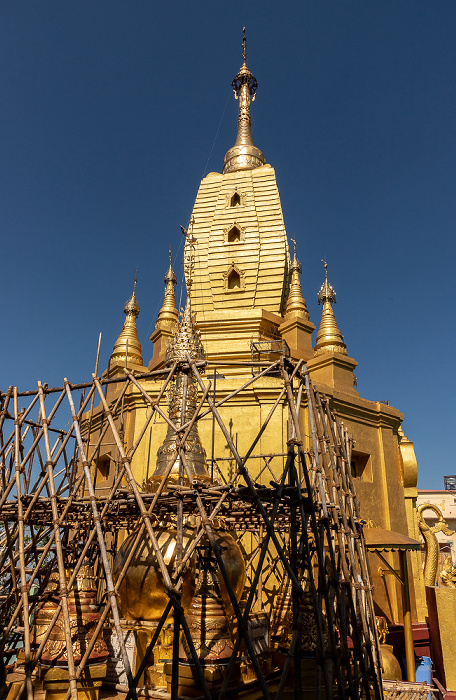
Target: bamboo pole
x=24, y=583
x=172, y=592
x=254, y=584
x=100, y=536
x=63, y=592
x=246, y=506
x=407, y=614
x=38, y=488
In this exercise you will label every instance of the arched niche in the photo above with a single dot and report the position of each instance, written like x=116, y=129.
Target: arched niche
x=234, y=279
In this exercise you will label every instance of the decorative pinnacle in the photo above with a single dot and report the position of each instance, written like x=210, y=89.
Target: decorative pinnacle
x=295, y=264
x=244, y=155
x=168, y=315
x=127, y=348
x=326, y=292
x=296, y=304
x=329, y=338
x=170, y=276
x=132, y=306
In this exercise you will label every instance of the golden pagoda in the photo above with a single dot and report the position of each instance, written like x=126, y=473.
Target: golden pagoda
x=247, y=302
x=197, y=598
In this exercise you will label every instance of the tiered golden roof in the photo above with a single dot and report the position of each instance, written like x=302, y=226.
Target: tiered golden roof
x=329, y=338
x=168, y=315
x=127, y=347
x=244, y=155
x=296, y=304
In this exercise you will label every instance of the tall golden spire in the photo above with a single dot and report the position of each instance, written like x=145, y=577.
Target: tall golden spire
x=129, y=335
x=168, y=315
x=296, y=304
x=329, y=338
x=244, y=155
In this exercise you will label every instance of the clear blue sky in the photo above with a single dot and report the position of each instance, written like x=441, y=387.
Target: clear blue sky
x=112, y=111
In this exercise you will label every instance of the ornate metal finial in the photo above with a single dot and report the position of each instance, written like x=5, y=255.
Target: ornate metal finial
x=170, y=277
x=295, y=264
x=326, y=292
x=132, y=307
x=244, y=155
x=294, y=247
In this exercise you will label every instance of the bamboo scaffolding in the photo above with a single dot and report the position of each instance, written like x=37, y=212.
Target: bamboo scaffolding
x=305, y=521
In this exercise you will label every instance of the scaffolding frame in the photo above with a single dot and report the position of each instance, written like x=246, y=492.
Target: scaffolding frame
x=306, y=520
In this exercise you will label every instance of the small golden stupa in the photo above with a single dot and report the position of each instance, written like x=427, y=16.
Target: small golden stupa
x=329, y=338
x=296, y=304
x=127, y=348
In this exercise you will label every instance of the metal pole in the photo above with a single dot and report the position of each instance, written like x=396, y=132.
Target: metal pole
x=407, y=614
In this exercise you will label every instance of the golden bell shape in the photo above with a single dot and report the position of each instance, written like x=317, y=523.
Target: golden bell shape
x=142, y=594
x=391, y=668
x=84, y=616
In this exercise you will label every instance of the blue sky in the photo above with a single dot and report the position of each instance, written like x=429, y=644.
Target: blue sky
x=112, y=112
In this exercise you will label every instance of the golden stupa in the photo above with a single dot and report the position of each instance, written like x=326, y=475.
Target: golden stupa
x=246, y=297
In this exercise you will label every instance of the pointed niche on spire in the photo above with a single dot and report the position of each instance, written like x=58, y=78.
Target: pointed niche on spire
x=127, y=348
x=329, y=338
x=244, y=155
x=296, y=304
